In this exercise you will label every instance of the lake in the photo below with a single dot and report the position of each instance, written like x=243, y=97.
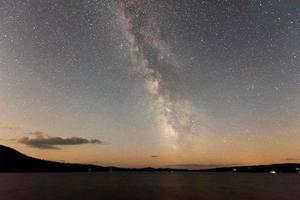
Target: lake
x=149, y=185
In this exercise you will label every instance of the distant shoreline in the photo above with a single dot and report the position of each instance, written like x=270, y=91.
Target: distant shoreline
x=12, y=161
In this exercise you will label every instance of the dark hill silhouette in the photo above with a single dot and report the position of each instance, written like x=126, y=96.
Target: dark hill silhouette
x=14, y=161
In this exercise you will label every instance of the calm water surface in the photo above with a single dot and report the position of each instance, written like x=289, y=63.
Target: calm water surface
x=149, y=185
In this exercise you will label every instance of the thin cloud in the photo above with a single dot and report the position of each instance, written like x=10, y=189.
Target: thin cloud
x=48, y=142
x=9, y=127
x=198, y=166
x=292, y=159
x=37, y=133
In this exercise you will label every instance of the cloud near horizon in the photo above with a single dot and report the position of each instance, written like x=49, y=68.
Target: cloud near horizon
x=48, y=142
x=292, y=159
x=199, y=166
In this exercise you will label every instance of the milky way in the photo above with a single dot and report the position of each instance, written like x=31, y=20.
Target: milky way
x=151, y=59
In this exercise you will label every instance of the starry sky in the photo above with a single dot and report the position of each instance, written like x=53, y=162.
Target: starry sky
x=136, y=83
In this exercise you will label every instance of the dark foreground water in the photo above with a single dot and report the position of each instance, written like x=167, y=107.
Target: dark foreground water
x=149, y=185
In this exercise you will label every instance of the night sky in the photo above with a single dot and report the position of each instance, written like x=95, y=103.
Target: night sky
x=151, y=82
